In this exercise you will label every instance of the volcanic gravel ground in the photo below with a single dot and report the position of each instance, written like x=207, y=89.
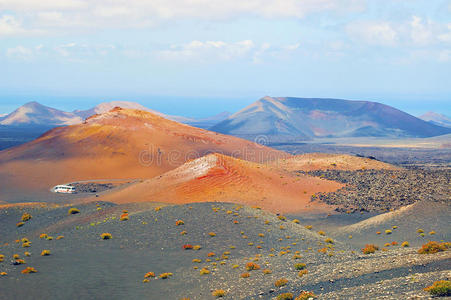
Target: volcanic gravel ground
x=382, y=190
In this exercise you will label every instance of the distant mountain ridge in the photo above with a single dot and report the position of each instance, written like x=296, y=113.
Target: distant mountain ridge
x=436, y=118
x=282, y=119
x=34, y=113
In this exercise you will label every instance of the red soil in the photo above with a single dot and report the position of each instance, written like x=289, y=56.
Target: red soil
x=221, y=178
x=122, y=143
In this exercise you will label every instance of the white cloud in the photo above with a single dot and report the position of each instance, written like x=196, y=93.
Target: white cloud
x=445, y=56
x=82, y=14
x=416, y=31
x=375, y=33
x=19, y=52
x=205, y=51
x=10, y=26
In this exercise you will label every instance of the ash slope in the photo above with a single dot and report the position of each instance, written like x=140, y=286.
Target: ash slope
x=81, y=265
x=221, y=178
x=291, y=119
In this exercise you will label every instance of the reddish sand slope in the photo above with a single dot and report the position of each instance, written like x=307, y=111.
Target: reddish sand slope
x=325, y=161
x=221, y=178
x=122, y=143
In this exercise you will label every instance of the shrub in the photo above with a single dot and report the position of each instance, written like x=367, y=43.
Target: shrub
x=43, y=236
x=420, y=230
x=49, y=238
x=212, y=234
x=165, y=275
x=27, y=253
x=432, y=232
x=218, y=293
x=187, y=247
x=394, y=227
x=440, y=288
x=252, y=266
x=433, y=247
x=204, y=271
x=26, y=244
x=267, y=271
x=124, y=217
x=3, y=273
x=45, y=253
x=211, y=254
x=369, y=248
x=281, y=282
x=149, y=275
x=197, y=247
x=405, y=244
x=106, y=236
x=179, y=222
x=26, y=217
x=321, y=233
x=282, y=218
x=309, y=227
x=29, y=270
x=305, y=296
x=329, y=240
x=296, y=221
x=245, y=275
x=19, y=262
x=2, y=257
x=20, y=224
x=388, y=231
x=73, y=211
x=387, y=244
x=16, y=256
x=394, y=243
x=378, y=232
x=60, y=237
x=303, y=272
x=300, y=266
x=285, y=296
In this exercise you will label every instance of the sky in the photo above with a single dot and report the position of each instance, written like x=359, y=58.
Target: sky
x=200, y=57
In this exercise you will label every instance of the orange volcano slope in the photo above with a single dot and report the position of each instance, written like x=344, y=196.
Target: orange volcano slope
x=325, y=161
x=221, y=178
x=122, y=143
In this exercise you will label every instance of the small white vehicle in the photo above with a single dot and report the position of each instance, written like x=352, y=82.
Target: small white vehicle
x=66, y=189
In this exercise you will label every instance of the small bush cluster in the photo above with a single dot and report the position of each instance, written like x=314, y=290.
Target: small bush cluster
x=309, y=227
x=252, y=266
x=212, y=234
x=187, y=247
x=285, y=296
x=204, y=271
x=2, y=257
x=370, y=248
x=281, y=282
x=329, y=240
x=440, y=288
x=245, y=275
x=267, y=271
x=302, y=273
x=433, y=247
x=179, y=223
x=124, y=217
x=45, y=253
x=300, y=266
x=106, y=236
x=405, y=244
x=218, y=293
x=305, y=296
x=73, y=211
x=388, y=231
x=3, y=273
x=26, y=217
x=20, y=224
x=149, y=275
x=29, y=270
x=165, y=275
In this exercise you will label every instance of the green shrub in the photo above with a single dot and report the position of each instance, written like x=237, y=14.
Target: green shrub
x=440, y=288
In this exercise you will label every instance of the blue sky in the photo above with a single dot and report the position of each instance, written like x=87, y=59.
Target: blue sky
x=198, y=58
